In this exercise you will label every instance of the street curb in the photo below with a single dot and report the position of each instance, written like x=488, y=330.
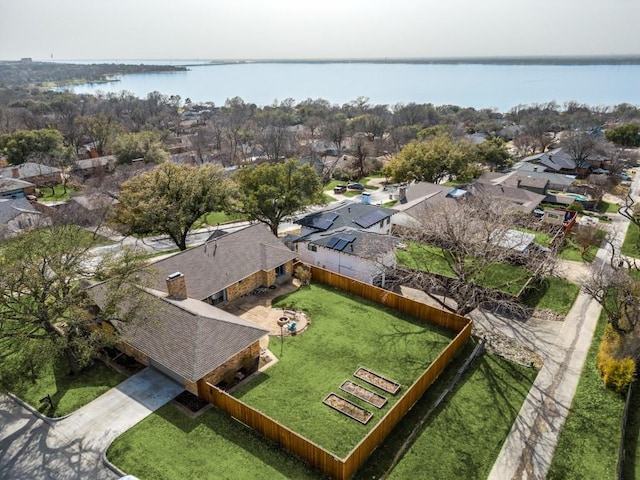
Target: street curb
x=41, y=416
x=110, y=465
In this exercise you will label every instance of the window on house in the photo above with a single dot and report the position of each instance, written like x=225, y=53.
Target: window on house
x=388, y=220
x=313, y=248
x=280, y=271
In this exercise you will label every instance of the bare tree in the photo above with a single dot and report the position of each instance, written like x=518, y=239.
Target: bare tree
x=464, y=248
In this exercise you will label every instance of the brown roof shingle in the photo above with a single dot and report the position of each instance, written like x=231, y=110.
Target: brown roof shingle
x=224, y=261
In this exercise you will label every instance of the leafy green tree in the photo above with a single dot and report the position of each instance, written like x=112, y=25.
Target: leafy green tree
x=170, y=199
x=25, y=145
x=146, y=145
x=625, y=135
x=270, y=192
x=493, y=152
x=44, y=303
x=432, y=161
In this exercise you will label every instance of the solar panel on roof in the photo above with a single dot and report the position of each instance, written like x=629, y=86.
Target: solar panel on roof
x=371, y=218
x=341, y=244
x=333, y=241
x=323, y=222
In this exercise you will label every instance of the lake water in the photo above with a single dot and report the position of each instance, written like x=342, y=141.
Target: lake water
x=467, y=85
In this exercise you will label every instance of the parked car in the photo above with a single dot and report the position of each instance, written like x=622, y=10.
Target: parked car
x=624, y=176
x=339, y=189
x=355, y=186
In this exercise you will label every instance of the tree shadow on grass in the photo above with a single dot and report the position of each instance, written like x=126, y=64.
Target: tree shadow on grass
x=237, y=437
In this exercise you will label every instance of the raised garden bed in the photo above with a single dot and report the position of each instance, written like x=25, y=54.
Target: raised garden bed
x=347, y=408
x=377, y=380
x=363, y=394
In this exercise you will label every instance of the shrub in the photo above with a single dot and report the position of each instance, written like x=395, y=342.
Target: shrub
x=617, y=373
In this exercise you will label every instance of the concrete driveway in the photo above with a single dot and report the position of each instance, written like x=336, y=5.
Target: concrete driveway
x=72, y=448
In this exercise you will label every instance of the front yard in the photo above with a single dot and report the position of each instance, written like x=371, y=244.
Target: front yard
x=501, y=276
x=590, y=439
x=345, y=333
x=631, y=245
x=68, y=392
x=168, y=445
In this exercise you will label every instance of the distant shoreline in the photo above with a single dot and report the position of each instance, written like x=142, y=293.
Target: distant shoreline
x=559, y=60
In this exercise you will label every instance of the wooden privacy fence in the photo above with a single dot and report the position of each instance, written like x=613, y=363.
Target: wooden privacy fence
x=315, y=455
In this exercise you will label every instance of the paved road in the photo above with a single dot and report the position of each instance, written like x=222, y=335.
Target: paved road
x=71, y=449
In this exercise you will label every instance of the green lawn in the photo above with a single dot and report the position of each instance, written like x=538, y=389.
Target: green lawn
x=631, y=245
x=501, y=276
x=552, y=293
x=346, y=332
x=632, y=441
x=168, y=445
x=542, y=238
x=57, y=195
x=572, y=251
x=589, y=442
x=215, y=218
x=463, y=436
x=67, y=392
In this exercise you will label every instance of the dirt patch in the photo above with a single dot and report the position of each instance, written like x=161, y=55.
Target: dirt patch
x=377, y=380
x=363, y=394
x=347, y=408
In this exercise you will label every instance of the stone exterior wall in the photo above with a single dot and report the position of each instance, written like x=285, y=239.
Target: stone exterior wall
x=247, y=359
x=258, y=279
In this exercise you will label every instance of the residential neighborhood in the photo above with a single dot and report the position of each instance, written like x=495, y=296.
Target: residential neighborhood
x=316, y=291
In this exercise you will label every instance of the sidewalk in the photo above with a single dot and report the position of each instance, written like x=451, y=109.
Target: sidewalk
x=529, y=448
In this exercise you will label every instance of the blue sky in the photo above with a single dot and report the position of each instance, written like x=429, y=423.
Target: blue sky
x=259, y=29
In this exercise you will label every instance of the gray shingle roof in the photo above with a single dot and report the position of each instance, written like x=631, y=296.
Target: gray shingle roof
x=360, y=243
x=524, y=200
x=10, y=209
x=189, y=337
x=224, y=261
x=349, y=215
x=8, y=184
x=29, y=170
x=555, y=160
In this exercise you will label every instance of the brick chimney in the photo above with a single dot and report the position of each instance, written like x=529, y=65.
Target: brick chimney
x=402, y=193
x=15, y=172
x=177, y=286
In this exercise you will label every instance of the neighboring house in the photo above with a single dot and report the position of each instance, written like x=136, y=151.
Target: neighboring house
x=557, y=181
x=87, y=209
x=36, y=173
x=13, y=188
x=415, y=197
x=523, y=200
x=93, y=167
x=230, y=265
x=17, y=215
x=352, y=252
x=517, y=179
x=357, y=215
x=555, y=160
x=189, y=340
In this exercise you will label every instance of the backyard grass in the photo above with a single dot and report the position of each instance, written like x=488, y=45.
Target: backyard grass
x=463, y=437
x=346, y=332
x=168, y=445
x=552, y=293
x=631, y=245
x=589, y=441
x=57, y=195
x=507, y=278
x=570, y=250
x=68, y=392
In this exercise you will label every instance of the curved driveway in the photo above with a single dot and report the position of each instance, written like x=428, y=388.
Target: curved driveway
x=72, y=448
